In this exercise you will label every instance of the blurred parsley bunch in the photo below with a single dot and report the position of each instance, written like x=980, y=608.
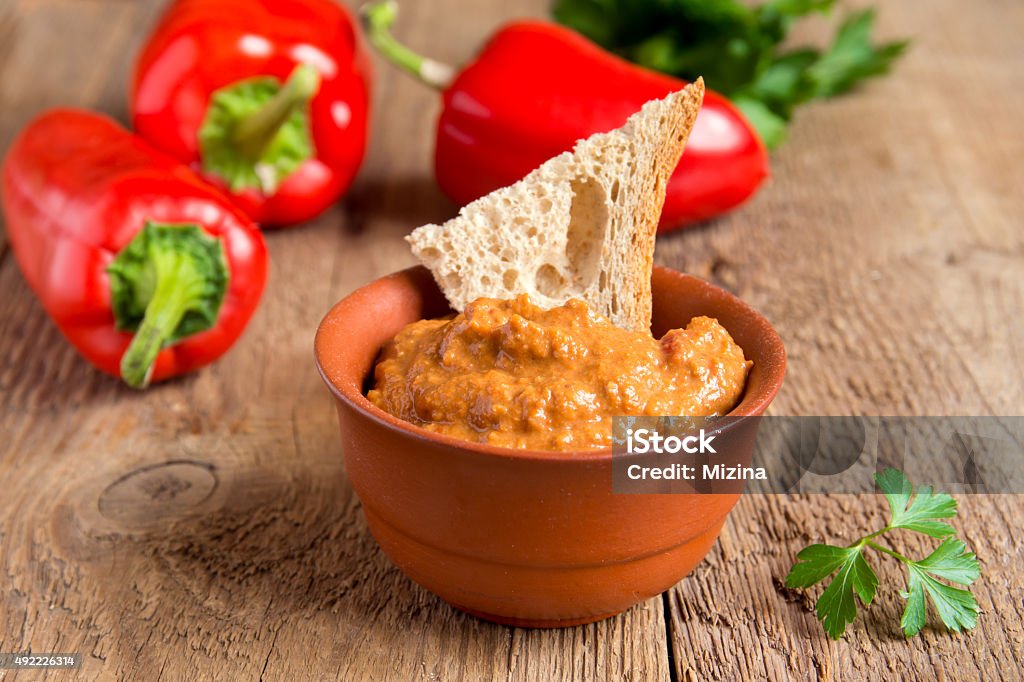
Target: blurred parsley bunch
x=738, y=49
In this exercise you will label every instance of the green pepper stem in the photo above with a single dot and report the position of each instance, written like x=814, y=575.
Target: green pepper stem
x=255, y=131
x=178, y=285
x=377, y=18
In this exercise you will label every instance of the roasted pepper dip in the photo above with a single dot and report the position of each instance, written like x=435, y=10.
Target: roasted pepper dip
x=508, y=373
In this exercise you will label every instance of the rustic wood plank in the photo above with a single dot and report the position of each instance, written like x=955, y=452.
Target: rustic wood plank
x=745, y=624
x=887, y=250
x=220, y=501
x=65, y=53
x=206, y=530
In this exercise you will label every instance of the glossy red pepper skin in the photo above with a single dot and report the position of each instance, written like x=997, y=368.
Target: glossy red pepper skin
x=76, y=189
x=537, y=87
x=200, y=46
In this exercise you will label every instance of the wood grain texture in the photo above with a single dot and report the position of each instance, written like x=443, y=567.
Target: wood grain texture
x=206, y=530
x=888, y=251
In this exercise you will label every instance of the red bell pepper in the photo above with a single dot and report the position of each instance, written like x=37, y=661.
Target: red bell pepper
x=148, y=271
x=537, y=87
x=268, y=99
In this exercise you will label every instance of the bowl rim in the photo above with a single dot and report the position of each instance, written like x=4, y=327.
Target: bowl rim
x=750, y=405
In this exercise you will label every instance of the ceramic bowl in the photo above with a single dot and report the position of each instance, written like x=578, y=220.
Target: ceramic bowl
x=524, y=537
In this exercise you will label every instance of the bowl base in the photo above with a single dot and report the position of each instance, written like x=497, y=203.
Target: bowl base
x=536, y=623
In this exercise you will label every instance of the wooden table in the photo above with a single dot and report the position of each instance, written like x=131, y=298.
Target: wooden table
x=205, y=529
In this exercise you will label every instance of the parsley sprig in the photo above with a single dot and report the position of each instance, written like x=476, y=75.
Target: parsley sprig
x=738, y=48
x=854, y=578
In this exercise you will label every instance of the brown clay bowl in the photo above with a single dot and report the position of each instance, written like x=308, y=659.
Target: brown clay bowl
x=524, y=537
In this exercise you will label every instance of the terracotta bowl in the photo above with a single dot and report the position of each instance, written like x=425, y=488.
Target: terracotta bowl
x=524, y=537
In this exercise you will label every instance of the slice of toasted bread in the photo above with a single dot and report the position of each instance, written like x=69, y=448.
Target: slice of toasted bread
x=582, y=225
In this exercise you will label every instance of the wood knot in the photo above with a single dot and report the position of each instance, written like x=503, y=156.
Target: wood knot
x=158, y=492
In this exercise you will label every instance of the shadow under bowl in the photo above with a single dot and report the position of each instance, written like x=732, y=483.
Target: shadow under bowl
x=525, y=537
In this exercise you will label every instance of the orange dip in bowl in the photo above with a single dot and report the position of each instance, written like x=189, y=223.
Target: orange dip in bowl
x=512, y=374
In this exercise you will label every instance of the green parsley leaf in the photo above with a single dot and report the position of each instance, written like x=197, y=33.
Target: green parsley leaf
x=797, y=8
x=836, y=607
x=951, y=560
x=738, y=48
x=817, y=562
x=783, y=84
x=956, y=607
x=896, y=488
x=915, y=613
x=770, y=127
x=596, y=19
x=917, y=514
x=865, y=582
x=775, y=17
x=852, y=57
